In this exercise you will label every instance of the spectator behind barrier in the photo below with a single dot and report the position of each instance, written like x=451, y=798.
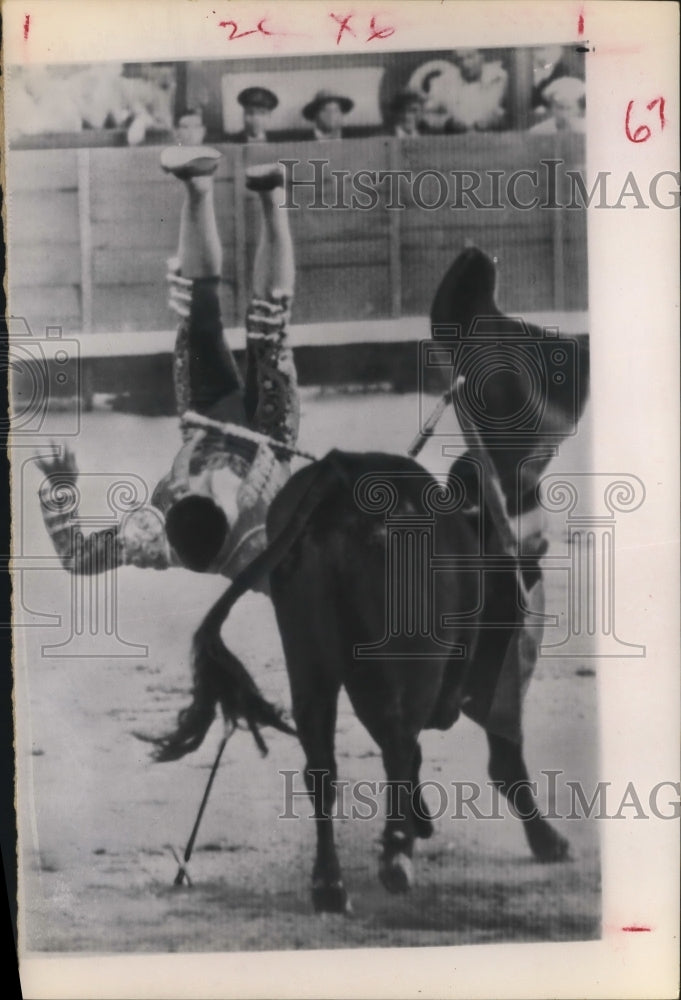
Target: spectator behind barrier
x=151, y=98
x=327, y=110
x=565, y=98
x=41, y=100
x=190, y=130
x=548, y=64
x=406, y=114
x=257, y=103
x=462, y=95
x=46, y=99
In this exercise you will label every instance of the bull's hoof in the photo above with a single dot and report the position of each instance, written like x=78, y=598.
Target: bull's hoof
x=330, y=897
x=547, y=845
x=396, y=873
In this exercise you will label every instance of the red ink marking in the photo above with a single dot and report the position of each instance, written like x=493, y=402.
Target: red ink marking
x=635, y=929
x=235, y=33
x=344, y=23
x=643, y=132
x=580, y=22
x=660, y=102
x=235, y=29
x=379, y=32
x=27, y=25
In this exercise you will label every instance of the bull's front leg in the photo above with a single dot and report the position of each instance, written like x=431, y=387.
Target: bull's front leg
x=508, y=771
x=395, y=867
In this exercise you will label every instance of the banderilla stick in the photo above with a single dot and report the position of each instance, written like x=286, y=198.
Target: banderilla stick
x=192, y=419
x=182, y=872
x=431, y=423
x=238, y=433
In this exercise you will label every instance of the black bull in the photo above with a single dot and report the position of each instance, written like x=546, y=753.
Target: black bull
x=334, y=531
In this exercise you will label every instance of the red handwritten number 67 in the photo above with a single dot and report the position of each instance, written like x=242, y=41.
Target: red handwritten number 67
x=643, y=132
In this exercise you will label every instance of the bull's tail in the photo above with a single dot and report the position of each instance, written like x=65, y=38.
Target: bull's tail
x=219, y=677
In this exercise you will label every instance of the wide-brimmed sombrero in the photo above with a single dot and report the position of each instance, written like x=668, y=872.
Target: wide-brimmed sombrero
x=323, y=97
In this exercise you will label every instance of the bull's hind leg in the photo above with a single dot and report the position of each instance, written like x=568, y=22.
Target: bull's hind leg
x=423, y=823
x=316, y=723
x=394, y=713
x=508, y=771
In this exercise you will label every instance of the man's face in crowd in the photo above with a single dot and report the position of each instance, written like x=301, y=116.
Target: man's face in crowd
x=565, y=110
x=329, y=117
x=410, y=116
x=255, y=120
x=470, y=63
x=190, y=130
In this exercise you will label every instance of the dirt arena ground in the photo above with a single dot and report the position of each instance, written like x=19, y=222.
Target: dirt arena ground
x=98, y=816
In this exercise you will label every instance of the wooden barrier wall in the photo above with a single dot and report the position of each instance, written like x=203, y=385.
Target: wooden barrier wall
x=90, y=229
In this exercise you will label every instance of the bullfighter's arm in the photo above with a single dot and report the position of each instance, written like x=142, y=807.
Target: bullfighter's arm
x=138, y=540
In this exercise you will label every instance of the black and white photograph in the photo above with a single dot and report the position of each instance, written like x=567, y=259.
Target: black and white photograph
x=343, y=545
